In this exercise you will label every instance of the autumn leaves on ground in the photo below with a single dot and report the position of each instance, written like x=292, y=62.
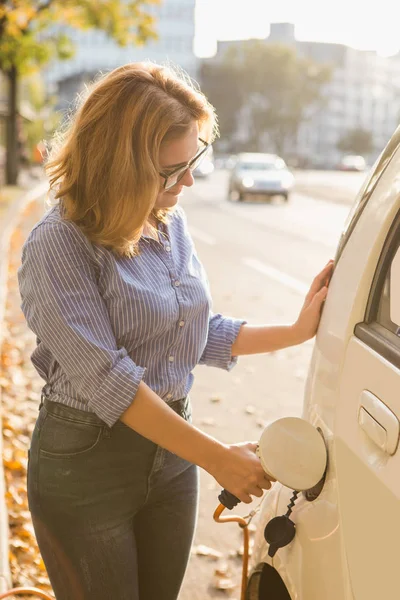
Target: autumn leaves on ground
x=20, y=400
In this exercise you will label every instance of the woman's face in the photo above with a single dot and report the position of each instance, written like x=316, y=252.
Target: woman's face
x=173, y=154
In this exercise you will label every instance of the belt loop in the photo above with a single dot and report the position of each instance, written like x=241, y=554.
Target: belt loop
x=43, y=396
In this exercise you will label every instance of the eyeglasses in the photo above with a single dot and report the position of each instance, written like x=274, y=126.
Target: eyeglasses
x=177, y=174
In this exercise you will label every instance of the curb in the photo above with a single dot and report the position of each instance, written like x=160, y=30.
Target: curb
x=6, y=230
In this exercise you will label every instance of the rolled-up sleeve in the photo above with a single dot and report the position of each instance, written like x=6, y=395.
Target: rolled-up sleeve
x=222, y=333
x=63, y=307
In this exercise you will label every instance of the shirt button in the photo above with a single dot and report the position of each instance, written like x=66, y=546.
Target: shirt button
x=168, y=248
x=177, y=283
x=171, y=358
x=181, y=323
x=169, y=396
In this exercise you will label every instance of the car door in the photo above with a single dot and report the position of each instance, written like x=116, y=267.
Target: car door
x=367, y=436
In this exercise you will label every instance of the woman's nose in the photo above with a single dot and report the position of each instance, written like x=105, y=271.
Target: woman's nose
x=188, y=179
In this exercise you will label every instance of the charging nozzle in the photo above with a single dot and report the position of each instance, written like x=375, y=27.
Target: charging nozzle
x=228, y=499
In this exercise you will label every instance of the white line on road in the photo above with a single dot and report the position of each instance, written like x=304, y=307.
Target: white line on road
x=202, y=237
x=276, y=275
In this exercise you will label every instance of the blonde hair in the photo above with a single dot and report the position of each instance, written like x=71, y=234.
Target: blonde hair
x=104, y=165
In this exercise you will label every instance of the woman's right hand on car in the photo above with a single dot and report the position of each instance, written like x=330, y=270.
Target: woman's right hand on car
x=238, y=469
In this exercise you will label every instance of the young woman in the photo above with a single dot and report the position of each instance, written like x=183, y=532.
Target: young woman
x=112, y=287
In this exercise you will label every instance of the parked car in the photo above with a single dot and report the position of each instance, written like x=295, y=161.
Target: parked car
x=352, y=163
x=259, y=175
x=225, y=161
x=347, y=528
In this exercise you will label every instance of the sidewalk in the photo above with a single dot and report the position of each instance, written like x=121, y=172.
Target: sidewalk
x=12, y=202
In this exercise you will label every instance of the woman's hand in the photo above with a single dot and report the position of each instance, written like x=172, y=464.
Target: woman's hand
x=308, y=320
x=237, y=469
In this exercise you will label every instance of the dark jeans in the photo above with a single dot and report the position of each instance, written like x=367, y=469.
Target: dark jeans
x=114, y=514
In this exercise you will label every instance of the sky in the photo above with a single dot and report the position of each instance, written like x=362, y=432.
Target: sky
x=355, y=23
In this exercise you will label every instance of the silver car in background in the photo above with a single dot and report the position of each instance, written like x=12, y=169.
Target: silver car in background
x=259, y=176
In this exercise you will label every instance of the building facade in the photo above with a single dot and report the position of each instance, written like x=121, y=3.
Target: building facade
x=95, y=51
x=362, y=93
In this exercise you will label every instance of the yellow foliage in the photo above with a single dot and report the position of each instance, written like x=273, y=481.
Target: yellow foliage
x=19, y=404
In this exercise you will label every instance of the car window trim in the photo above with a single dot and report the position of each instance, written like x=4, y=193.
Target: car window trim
x=373, y=334
x=380, y=339
x=364, y=194
x=389, y=249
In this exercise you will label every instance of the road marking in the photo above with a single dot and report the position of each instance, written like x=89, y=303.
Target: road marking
x=202, y=237
x=276, y=275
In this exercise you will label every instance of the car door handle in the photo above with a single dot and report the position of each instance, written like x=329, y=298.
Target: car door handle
x=379, y=422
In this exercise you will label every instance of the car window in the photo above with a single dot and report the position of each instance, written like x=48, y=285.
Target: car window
x=388, y=312
x=366, y=190
x=395, y=290
x=381, y=326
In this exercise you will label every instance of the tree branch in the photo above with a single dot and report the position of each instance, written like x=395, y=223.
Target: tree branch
x=4, y=17
x=39, y=9
x=44, y=6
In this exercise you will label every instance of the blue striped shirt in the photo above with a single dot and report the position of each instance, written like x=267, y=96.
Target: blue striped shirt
x=105, y=323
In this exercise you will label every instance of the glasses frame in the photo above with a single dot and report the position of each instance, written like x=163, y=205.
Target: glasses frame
x=185, y=167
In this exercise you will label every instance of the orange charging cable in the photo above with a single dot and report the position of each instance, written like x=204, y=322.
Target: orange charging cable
x=243, y=524
x=22, y=591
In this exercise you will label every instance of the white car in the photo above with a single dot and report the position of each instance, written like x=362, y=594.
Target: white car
x=259, y=175
x=352, y=162
x=348, y=527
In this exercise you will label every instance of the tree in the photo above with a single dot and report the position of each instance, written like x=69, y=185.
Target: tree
x=275, y=88
x=357, y=141
x=41, y=108
x=28, y=40
x=285, y=90
x=221, y=84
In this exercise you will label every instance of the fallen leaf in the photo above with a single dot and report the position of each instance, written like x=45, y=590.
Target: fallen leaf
x=223, y=570
x=202, y=550
x=18, y=378
x=19, y=544
x=20, y=386
x=14, y=465
x=215, y=399
x=224, y=583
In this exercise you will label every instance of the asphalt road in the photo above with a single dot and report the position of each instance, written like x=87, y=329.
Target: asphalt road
x=333, y=186
x=260, y=259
